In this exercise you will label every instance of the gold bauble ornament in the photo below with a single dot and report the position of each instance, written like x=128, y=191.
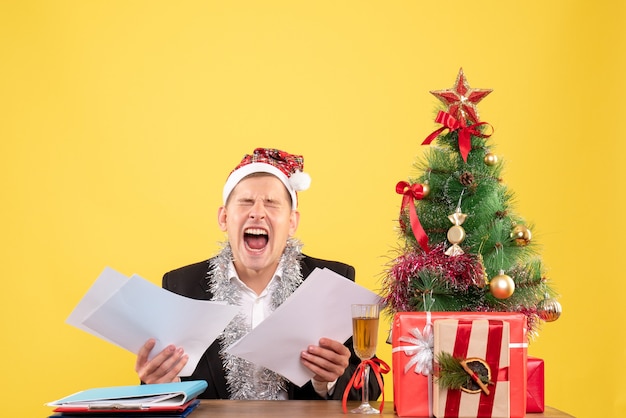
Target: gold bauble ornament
x=521, y=235
x=549, y=309
x=490, y=159
x=426, y=188
x=502, y=286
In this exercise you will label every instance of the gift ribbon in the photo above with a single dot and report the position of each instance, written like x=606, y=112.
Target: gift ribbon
x=492, y=357
x=465, y=132
x=518, y=345
x=411, y=192
x=379, y=368
x=421, y=352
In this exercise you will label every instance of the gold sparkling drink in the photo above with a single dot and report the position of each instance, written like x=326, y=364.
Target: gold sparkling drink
x=365, y=336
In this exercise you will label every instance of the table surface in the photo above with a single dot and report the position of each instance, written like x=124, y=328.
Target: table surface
x=294, y=409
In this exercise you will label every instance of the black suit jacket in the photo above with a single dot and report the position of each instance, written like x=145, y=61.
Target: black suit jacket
x=191, y=281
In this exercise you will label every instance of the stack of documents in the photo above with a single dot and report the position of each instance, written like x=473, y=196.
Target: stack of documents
x=128, y=311
x=149, y=401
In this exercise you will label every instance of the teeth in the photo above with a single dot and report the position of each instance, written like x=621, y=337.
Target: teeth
x=255, y=231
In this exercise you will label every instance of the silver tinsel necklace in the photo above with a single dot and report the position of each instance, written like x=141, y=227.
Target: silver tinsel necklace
x=244, y=379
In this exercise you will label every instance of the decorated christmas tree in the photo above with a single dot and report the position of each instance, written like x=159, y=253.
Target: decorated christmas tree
x=464, y=248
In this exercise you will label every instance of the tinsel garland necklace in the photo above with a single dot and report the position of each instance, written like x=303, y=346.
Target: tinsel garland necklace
x=244, y=379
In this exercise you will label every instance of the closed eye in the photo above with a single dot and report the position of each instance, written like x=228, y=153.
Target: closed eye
x=272, y=203
x=245, y=202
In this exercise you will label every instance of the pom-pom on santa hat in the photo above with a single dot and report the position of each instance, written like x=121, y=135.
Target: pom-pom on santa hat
x=286, y=167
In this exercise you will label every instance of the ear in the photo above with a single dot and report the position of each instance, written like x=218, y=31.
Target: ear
x=294, y=221
x=221, y=218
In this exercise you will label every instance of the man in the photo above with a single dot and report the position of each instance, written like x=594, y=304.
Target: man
x=257, y=269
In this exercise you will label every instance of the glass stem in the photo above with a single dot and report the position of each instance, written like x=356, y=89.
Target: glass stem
x=365, y=399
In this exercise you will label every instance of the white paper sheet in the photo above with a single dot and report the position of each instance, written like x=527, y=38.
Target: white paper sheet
x=105, y=285
x=320, y=307
x=127, y=312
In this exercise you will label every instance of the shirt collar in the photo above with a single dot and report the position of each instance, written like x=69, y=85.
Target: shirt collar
x=234, y=277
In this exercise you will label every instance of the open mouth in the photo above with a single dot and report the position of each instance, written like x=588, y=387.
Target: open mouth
x=255, y=238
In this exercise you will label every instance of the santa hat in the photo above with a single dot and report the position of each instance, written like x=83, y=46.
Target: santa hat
x=286, y=167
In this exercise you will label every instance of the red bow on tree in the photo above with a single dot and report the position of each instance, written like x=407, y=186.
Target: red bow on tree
x=465, y=132
x=412, y=192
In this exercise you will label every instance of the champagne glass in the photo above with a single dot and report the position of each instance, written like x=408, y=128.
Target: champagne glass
x=364, y=339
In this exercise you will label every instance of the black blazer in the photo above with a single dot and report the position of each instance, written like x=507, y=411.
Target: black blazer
x=191, y=281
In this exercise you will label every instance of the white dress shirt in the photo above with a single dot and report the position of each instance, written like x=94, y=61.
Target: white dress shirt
x=257, y=307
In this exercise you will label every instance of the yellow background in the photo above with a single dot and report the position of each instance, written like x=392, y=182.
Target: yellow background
x=119, y=121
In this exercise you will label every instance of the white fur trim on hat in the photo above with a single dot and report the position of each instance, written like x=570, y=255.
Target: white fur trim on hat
x=299, y=181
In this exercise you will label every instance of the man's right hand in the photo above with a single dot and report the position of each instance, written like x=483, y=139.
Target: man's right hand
x=164, y=367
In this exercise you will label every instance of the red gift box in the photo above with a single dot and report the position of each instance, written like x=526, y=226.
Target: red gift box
x=481, y=340
x=535, y=385
x=413, y=390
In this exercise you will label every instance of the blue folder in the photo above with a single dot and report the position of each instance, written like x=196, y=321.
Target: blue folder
x=155, y=396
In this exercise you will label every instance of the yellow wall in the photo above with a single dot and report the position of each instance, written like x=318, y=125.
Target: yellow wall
x=119, y=121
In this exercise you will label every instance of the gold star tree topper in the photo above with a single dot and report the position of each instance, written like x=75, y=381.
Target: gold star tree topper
x=461, y=99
